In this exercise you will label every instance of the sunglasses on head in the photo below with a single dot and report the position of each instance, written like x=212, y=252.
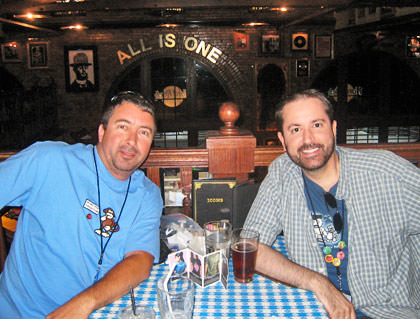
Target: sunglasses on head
x=337, y=219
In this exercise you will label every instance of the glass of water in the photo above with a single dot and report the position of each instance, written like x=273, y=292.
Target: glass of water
x=176, y=300
x=218, y=236
x=141, y=312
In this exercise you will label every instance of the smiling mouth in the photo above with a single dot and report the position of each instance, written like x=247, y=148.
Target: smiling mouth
x=310, y=151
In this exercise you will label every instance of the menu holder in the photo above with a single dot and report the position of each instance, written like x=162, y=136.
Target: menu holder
x=212, y=199
x=204, y=270
x=218, y=199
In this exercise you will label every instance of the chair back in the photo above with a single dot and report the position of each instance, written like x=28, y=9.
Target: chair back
x=8, y=221
x=3, y=251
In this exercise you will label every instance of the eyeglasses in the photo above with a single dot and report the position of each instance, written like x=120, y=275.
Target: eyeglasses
x=337, y=219
x=122, y=94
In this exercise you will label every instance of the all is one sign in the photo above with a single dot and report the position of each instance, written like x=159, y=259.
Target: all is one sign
x=169, y=40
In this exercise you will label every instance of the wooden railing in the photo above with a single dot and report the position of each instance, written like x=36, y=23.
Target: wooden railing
x=188, y=158
x=231, y=152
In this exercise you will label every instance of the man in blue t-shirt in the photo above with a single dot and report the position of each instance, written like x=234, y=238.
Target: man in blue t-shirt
x=89, y=227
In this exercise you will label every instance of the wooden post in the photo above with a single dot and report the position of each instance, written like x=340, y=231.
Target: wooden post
x=230, y=150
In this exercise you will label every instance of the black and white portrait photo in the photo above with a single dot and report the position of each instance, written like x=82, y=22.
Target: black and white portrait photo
x=81, y=69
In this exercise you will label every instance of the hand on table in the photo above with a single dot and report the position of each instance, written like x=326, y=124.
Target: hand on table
x=336, y=304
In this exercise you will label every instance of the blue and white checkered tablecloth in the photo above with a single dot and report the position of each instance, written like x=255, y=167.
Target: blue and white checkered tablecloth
x=262, y=298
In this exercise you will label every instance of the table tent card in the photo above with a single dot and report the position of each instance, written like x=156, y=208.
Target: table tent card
x=203, y=270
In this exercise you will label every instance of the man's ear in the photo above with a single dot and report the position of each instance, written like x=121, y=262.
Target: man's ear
x=281, y=138
x=101, y=132
x=334, y=128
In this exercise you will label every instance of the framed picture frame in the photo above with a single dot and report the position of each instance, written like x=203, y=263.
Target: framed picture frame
x=37, y=55
x=300, y=41
x=413, y=46
x=270, y=44
x=81, y=68
x=323, y=46
x=11, y=52
x=240, y=41
x=302, y=68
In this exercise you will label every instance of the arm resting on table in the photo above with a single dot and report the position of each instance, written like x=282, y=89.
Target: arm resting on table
x=134, y=269
x=276, y=266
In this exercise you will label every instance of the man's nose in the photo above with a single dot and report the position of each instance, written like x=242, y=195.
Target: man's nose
x=131, y=137
x=307, y=136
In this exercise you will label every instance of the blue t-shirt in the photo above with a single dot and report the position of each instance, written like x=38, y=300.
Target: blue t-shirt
x=56, y=247
x=322, y=215
x=180, y=267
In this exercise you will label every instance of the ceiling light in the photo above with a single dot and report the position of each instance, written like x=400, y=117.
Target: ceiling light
x=259, y=8
x=11, y=44
x=29, y=16
x=283, y=9
x=168, y=25
x=76, y=27
x=255, y=24
x=68, y=1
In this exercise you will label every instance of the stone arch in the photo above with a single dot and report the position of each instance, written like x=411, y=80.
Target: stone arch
x=11, y=111
x=389, y=85
x=225, y=70
x=380, y=93
x=271, y=88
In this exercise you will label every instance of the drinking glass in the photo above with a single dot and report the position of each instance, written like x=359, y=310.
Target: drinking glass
x=142, y=312
x=176, y=301
x=218, y=236
x=244, y=254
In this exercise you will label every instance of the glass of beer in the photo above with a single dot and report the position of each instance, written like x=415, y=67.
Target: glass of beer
x=244, y=253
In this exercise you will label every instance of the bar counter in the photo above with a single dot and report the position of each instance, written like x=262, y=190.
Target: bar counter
x=262, y=298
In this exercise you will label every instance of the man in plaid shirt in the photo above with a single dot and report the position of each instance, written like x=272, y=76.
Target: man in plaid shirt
x=351, y=218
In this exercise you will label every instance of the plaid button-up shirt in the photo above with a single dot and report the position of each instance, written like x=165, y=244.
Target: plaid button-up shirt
x=382, y=196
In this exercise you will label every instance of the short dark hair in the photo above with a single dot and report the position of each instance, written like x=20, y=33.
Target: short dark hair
x=129, y=96
x=307, y=94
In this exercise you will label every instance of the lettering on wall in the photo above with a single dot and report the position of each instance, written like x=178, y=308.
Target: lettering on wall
x=352, y=92
x=169, y=40
x=172, y=96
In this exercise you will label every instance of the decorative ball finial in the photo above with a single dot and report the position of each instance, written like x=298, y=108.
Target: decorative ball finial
x=229, y=114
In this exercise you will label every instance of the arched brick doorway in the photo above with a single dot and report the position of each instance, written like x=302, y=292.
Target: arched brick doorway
x=186, y=90
x=374, y=92
x=271, y=86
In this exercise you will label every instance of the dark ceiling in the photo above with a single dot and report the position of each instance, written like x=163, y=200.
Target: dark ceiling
x=145, y=13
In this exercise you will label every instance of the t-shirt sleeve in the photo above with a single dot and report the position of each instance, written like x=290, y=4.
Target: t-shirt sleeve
x=18, y=174
x=144, y=234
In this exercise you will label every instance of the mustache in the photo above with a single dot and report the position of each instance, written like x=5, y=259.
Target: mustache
x=130, y=149
x=310, y=146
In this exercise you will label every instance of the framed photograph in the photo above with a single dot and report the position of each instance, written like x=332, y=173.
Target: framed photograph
x=413, y=46
x=302, y=68
x=270, y=44
x=241, y=41
x=300, y=41
x=37, y=55
x=10, y=52
x=81, y=68
x=323, y=46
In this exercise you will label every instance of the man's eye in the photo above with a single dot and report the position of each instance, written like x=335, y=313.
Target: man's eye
x=317, y=125
x=295, y=130
x=145, y=133
x=122, y=126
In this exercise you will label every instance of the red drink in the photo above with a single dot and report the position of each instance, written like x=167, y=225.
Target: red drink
x=244, y=254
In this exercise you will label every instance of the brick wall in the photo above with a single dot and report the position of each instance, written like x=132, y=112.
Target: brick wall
x=236, y=68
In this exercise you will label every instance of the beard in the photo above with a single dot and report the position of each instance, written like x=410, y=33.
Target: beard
x=128, y=165
x=316, y=162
